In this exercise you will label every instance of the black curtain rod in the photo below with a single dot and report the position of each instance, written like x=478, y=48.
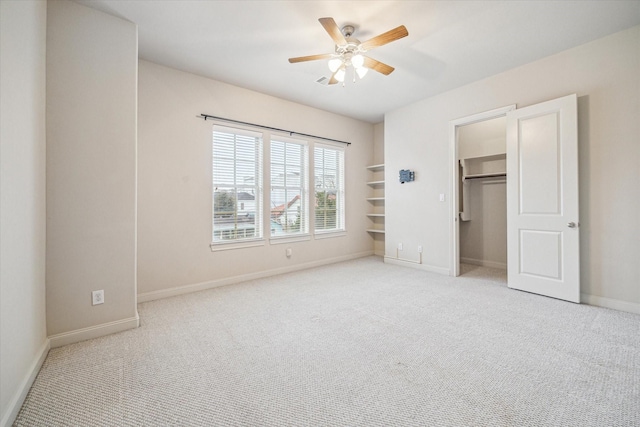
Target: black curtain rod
x=290, y=132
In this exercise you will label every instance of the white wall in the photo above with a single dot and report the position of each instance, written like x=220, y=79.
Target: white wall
x=23, y=340
x=378, y=143
x=174, y=193
x=91, y=171
x=483, y=138
x=604, y=74
x=483, y=239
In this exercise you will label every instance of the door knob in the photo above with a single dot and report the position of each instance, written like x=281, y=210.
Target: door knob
x=572, y=224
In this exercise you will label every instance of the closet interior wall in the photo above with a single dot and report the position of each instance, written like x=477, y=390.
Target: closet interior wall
x=483, y=193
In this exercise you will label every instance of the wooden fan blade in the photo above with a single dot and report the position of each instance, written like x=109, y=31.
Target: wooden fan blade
x=333, y=79
x=332, y=28
x=310, y=58
x=378, y=66
x=388, y=37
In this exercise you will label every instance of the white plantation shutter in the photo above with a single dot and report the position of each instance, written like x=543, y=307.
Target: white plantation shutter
x=289, y=187
x=237, y=184
x=329, y=188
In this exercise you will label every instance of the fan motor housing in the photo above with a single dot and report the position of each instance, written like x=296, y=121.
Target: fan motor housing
x=348, y=30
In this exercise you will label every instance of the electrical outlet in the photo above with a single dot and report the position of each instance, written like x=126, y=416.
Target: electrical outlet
x=288, y=252
x=97, y=297
x=419, y=249
x=399, y=246
x=442, y=197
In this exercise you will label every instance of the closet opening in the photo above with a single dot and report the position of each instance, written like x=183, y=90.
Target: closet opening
x=479, y=196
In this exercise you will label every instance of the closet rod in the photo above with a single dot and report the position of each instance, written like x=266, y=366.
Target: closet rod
x=290, y=132
x=485, y=175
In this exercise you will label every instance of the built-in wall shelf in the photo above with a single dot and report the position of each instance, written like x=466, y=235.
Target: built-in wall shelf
x=376, y=214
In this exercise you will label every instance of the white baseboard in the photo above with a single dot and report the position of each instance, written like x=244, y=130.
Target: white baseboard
x=18, y=398
x=614, y=304
x=187, y=289
x=414, y=264
x=97, y=331
x=484, y=263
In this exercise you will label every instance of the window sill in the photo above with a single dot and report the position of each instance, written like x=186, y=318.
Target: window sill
x=279, y=240
x=227, y=246
x=329, y=234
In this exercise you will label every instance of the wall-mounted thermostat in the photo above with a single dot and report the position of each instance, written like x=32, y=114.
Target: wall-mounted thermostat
x=407, y=176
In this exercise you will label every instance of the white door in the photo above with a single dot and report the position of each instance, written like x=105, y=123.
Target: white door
x=543, y=244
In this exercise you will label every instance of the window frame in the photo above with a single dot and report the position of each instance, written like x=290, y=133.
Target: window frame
x=303, y=188
x=341, y=227
x=258, y=188
x=263, y=189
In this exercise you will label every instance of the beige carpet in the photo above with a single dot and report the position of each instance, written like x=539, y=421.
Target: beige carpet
x=358, y=343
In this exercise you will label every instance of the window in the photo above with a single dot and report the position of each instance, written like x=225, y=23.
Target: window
x=239, y=214
x=329, y=188
x=289, y=188
x=237, y=185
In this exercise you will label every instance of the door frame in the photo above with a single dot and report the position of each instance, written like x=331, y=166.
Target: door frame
x=454, y=185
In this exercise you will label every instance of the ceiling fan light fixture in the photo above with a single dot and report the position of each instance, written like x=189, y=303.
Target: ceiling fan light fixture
x=362, y=71
x=334, y=64
x=357, y=61
x=348, y=52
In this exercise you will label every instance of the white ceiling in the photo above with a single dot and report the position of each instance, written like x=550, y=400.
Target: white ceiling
x=450, y=43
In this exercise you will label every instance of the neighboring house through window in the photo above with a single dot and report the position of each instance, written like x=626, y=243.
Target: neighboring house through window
x=289, y=187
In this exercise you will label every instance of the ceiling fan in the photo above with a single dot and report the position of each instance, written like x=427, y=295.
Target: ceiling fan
x=349, y=51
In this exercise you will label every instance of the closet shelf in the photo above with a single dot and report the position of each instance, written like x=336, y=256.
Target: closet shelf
x=373, y=183
x=486, y=157
x=377, y=215
x=489, y=166
x=375, y=199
